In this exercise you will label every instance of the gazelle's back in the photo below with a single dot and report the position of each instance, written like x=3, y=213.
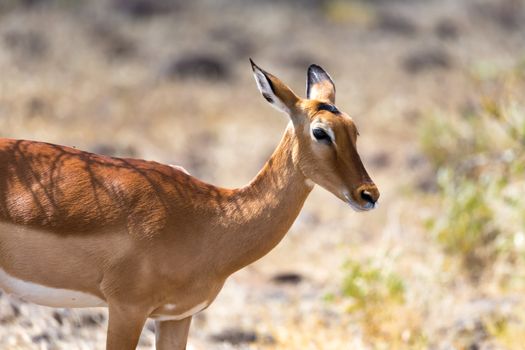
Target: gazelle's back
x=68, y=191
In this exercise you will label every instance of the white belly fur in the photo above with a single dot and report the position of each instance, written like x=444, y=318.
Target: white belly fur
x=47, y=296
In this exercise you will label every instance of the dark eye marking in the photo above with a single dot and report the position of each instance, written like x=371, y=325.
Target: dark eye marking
x=321, y=135
x=328, y=107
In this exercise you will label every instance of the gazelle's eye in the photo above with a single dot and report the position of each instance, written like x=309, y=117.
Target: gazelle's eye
x=321, y=135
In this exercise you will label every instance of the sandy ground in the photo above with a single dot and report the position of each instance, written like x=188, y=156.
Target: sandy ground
x=172, y=83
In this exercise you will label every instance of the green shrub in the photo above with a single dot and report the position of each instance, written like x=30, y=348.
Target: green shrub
x=466, y=226
x=480, y=160
x=368, y=284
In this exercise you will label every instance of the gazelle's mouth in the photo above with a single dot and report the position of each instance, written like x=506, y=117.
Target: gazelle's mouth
x=357, y=207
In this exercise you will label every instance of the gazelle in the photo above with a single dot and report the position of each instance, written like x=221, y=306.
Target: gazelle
x=148, y=240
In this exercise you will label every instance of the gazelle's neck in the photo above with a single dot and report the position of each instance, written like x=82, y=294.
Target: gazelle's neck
x=262, y=212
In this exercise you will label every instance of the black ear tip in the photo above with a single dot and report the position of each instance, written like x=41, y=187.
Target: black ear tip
x=253, y=63
x=316, y=74
x=315, y=67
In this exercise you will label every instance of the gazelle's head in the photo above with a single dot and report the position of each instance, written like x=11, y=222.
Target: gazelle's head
x=326, y=137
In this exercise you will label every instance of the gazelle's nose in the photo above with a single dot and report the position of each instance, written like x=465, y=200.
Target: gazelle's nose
x=368, y=194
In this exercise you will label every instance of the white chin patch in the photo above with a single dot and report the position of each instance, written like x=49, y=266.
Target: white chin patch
x=47, y=296
x=352, y=203
x=309, y=183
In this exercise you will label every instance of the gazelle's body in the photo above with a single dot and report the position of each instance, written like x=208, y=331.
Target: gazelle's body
x=175, y=248
x=149, y=240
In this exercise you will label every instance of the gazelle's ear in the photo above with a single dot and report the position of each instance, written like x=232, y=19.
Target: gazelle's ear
x=319, y=85
x=280, y=96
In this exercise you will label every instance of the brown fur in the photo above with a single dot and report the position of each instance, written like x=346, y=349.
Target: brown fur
x=140, y=234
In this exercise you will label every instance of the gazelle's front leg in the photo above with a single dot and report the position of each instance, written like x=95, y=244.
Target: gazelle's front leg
x=172, y=335
x=125, y=326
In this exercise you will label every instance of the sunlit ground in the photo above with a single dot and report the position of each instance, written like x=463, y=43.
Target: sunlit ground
x=436, y=89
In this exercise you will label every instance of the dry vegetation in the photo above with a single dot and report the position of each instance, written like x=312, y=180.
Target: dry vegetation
x=437, y=89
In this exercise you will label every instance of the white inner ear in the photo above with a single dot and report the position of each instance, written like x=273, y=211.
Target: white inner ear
x=266, y=90
x=314, y=78
x=314, y=92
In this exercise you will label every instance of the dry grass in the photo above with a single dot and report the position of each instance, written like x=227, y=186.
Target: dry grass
x=439, y=265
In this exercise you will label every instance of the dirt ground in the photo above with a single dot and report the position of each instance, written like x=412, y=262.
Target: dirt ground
x=170, y=81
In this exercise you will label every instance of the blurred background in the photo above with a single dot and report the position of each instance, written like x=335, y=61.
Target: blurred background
x=437, y=88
